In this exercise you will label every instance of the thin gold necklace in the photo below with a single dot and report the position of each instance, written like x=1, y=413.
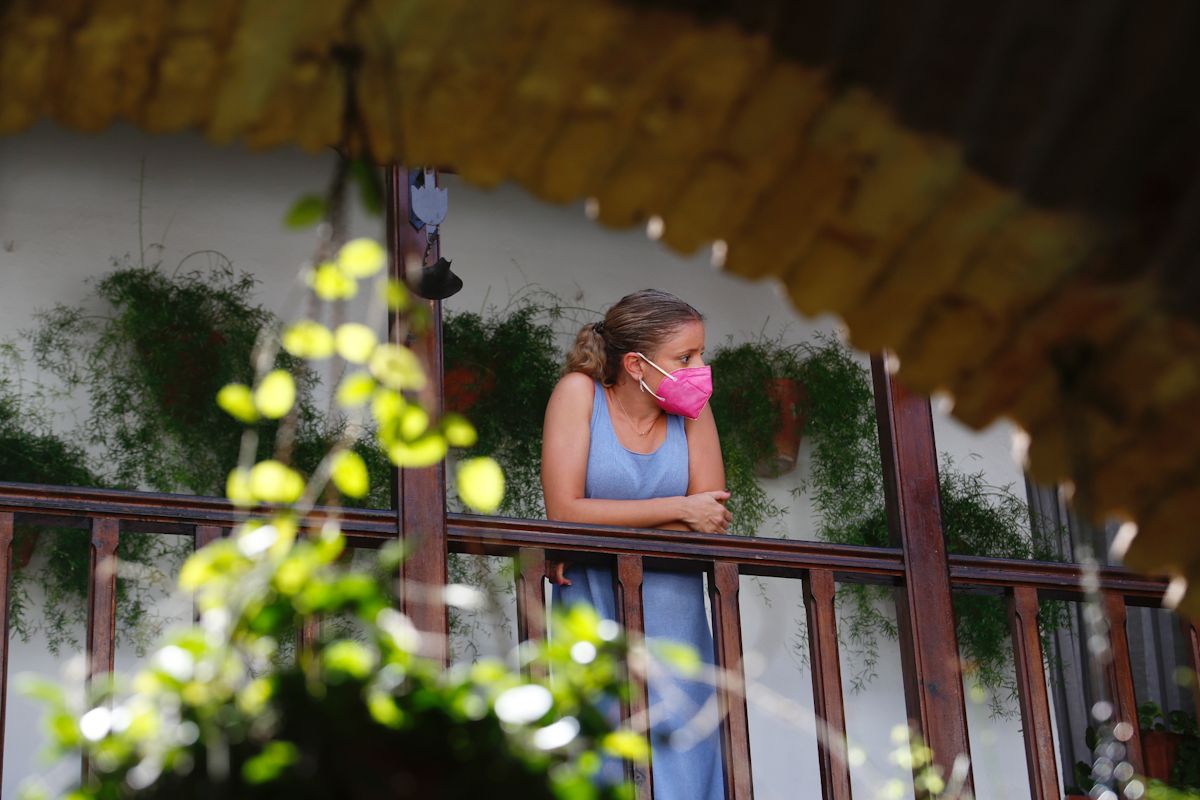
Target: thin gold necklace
x=621, y=405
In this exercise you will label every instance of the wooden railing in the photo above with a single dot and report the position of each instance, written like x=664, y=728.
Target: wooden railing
x=107, y=515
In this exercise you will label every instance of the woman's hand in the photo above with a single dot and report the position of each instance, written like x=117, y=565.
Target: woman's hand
x=555, y=573
x=706, y=512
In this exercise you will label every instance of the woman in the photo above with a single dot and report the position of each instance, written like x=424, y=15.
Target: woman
x=630, y=441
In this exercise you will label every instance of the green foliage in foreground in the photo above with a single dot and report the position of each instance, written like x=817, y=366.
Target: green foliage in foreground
x=1157, y=790
x=222, y=711
x=229, y=708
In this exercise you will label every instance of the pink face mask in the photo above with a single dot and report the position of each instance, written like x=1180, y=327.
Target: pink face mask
x=684, y=391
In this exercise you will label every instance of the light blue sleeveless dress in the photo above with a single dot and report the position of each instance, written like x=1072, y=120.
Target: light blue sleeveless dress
x=673, y=604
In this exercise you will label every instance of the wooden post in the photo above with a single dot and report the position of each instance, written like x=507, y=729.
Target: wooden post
x=6, y=540
x=1119, y=673
x=1192, y=636
x=307, y=634
x=1032, y=693
x=924, y=610
x=420, y=493
x=629, y=607
x=203, y=536
x=819, y=592
x=102, y=596
x=531, y=599
x=206, y=534
x=731, y=685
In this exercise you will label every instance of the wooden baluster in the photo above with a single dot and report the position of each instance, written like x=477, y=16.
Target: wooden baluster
x=629, y=607
x=531, y=600
x=102, y=605
x=1192, y=636
x=309, y=630
x=206, y=534
x=1119, y=672
x=933, y=685
x=731, y=685
x=1032, y=693
x=6, y=540
x=102, y=596
x=828, y=703
x=203, y=535
x=420, y=494
x=308, y=633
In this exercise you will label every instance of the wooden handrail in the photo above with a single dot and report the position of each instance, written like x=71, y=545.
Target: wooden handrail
x=172, y=513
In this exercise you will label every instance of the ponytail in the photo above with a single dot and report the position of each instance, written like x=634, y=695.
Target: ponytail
x=589, y=353
x=639, y=322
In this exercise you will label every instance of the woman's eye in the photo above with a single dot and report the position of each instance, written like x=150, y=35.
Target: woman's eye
x=685, y=359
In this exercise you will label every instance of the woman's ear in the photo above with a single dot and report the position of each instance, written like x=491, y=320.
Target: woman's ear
x=632, y=366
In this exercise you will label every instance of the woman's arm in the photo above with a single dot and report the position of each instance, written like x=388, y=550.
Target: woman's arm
x=566, y=438
x=706, y=469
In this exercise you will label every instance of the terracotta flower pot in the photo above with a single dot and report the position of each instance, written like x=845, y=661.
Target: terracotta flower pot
x=464, y=387
x=789, y=399
x=1159, y=750
x=24, y=545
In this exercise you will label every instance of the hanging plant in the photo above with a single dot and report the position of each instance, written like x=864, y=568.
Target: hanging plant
x=151, y=350
x=760, y=403
x=845, y=484
x=31, y=453
x=502, y=368
x=749, y=421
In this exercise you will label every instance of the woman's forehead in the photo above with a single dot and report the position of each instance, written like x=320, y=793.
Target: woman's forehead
x=689, y=336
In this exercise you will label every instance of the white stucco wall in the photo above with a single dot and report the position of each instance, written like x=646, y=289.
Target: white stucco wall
x=68, y=203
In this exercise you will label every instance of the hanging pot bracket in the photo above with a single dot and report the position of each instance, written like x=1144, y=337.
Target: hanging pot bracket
x=428, y=202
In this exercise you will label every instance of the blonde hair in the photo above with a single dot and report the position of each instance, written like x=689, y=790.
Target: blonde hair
x=638, y=322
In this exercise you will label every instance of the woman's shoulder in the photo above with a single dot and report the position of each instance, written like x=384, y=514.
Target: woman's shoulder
x=576, y=384
x=574, y=391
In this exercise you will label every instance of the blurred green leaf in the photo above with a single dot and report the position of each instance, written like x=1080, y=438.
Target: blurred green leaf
x=684, y=659
x=349, y=474
x=306, y=211
x=348, y=658
x=307, y=339
x=481, y=484
x=626, y=744
x=362, y=258
x=276, y=394
x=370, y=185
x=273, y=760
x=237, y=400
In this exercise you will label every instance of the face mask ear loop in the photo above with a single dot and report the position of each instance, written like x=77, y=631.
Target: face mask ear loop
x=657, y=367
x=646, y=389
